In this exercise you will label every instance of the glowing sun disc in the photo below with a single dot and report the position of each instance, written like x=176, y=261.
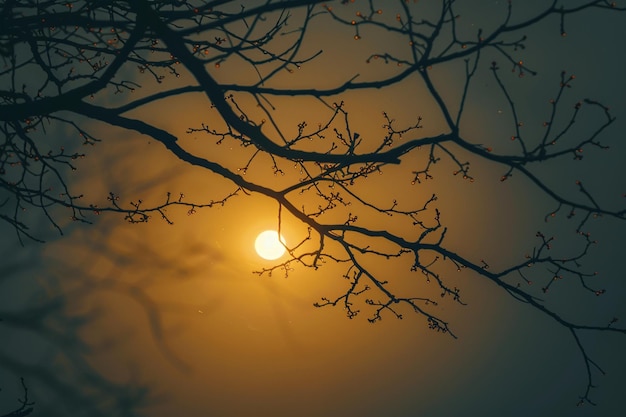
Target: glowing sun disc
x=268, y=246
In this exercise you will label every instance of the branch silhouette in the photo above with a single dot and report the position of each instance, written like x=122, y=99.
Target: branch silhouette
x=26, y=406
x=73, y=64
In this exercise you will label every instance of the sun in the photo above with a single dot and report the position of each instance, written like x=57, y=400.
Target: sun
x=268, y=246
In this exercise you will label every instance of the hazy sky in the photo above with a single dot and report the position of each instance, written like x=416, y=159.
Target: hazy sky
x=178, y=309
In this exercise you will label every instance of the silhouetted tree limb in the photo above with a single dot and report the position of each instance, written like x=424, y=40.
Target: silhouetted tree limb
x=80, y=57
x=26, y=406
x=64, y=380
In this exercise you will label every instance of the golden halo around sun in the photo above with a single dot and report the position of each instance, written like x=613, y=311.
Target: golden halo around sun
x=268, y=246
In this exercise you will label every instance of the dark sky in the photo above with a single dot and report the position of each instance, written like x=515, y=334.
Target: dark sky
x=178, y=309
